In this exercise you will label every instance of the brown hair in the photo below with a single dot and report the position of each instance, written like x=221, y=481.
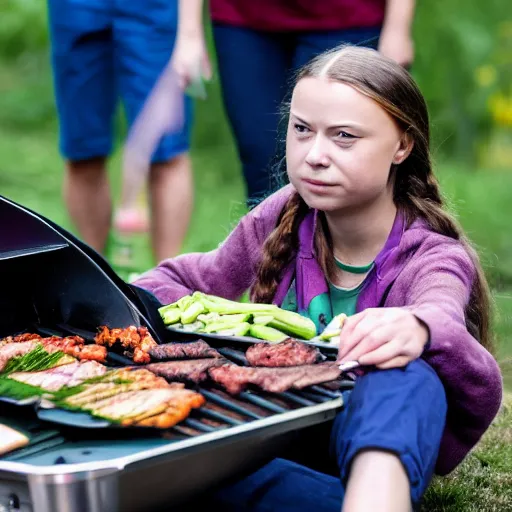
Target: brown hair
x=415, y=188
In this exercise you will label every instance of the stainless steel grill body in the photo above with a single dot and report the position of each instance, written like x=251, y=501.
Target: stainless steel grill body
x=158, y=477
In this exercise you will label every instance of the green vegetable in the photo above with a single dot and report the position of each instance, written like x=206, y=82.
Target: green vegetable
x=228, y=319
x=36, y=360
x=179, y=305
x=185, y=302
x=293, y=324
x=219, y=326
x=263, y=332
x=227, y=307
x=192, y=312
x=193, y=327
x=18, y=390
x=327, y=336
x=334, y=328
x=240, y=330
x=208, y=318
x=171, y=316
x=262, y=319
x=219, y=314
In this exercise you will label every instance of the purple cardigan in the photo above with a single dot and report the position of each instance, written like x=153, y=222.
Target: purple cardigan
x=430, y=274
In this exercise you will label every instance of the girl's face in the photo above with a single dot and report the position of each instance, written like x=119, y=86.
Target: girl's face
x=340, y=146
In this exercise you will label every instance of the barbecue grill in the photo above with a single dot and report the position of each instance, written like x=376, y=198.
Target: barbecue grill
x=54, y=284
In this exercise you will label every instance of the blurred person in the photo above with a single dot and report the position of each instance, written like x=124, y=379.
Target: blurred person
x=103, y=51
x=260, y=43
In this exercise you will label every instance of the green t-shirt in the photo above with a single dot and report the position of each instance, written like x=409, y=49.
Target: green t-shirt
x=323, y=308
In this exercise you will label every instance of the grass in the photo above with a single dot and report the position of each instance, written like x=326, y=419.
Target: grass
x=31, y=173
x=483, y=483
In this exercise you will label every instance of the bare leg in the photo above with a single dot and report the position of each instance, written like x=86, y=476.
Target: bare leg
x=377, y=481
x=171, y=191
x=87, y=197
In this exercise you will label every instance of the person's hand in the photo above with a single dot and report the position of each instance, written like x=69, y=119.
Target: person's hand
x=397, y=45
x=190, y=59
x=382, y=337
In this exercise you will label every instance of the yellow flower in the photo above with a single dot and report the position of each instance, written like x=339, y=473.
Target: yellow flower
x=500, y=107
x=485, y=75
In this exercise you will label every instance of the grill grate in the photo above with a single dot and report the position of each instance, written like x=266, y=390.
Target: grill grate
x=221, y=410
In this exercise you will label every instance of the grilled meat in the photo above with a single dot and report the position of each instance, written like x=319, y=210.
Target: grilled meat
x=25, y=337
x=109, y=337
x=93, y=353
x=134, y=339
x=102, y=390
x=275, y=380
x=318, y=374
x=287, y=353
x=193, y=370
x=8, y=351
x=192, y=350
x=74, y=346
x=135, y=375
x=66, y=375
x=161, y=408
x=70, y=345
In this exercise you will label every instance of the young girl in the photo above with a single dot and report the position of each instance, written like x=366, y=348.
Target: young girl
x=361, y=229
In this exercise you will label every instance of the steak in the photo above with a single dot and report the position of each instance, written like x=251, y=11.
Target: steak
x=275, y=380
x=192, y=370
x=287, y=353
x=193, y=350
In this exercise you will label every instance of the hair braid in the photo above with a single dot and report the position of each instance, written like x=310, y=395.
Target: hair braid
x=279, y=249
x=425, y=198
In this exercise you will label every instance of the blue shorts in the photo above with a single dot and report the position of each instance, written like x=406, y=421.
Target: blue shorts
x=402, y=411
x=103, y=51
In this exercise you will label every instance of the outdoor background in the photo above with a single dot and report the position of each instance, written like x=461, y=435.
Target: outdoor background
x=464, y=67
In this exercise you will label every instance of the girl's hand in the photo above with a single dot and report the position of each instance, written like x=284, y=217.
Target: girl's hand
x=397, y=45
x=190, y=59
x=382, y=337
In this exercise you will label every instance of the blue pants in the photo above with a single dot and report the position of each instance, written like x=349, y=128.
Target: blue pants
x=255, y=68
x=103, y=50
x=401, y=411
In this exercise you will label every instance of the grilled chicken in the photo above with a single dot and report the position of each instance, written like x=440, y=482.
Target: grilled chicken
x=135, y=340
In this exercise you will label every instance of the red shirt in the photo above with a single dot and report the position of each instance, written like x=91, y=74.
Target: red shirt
x=299, y=15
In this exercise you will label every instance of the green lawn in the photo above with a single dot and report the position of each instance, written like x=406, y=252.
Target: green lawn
x=31, y=173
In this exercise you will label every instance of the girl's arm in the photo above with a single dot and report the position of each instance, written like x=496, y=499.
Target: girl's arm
x=437, y=296
x=425, y=317
x=190, y=56
x=396, y=37
x=227, y=271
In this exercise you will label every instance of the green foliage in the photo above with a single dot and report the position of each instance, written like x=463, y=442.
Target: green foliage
x=454, y=38
x=23, y=28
